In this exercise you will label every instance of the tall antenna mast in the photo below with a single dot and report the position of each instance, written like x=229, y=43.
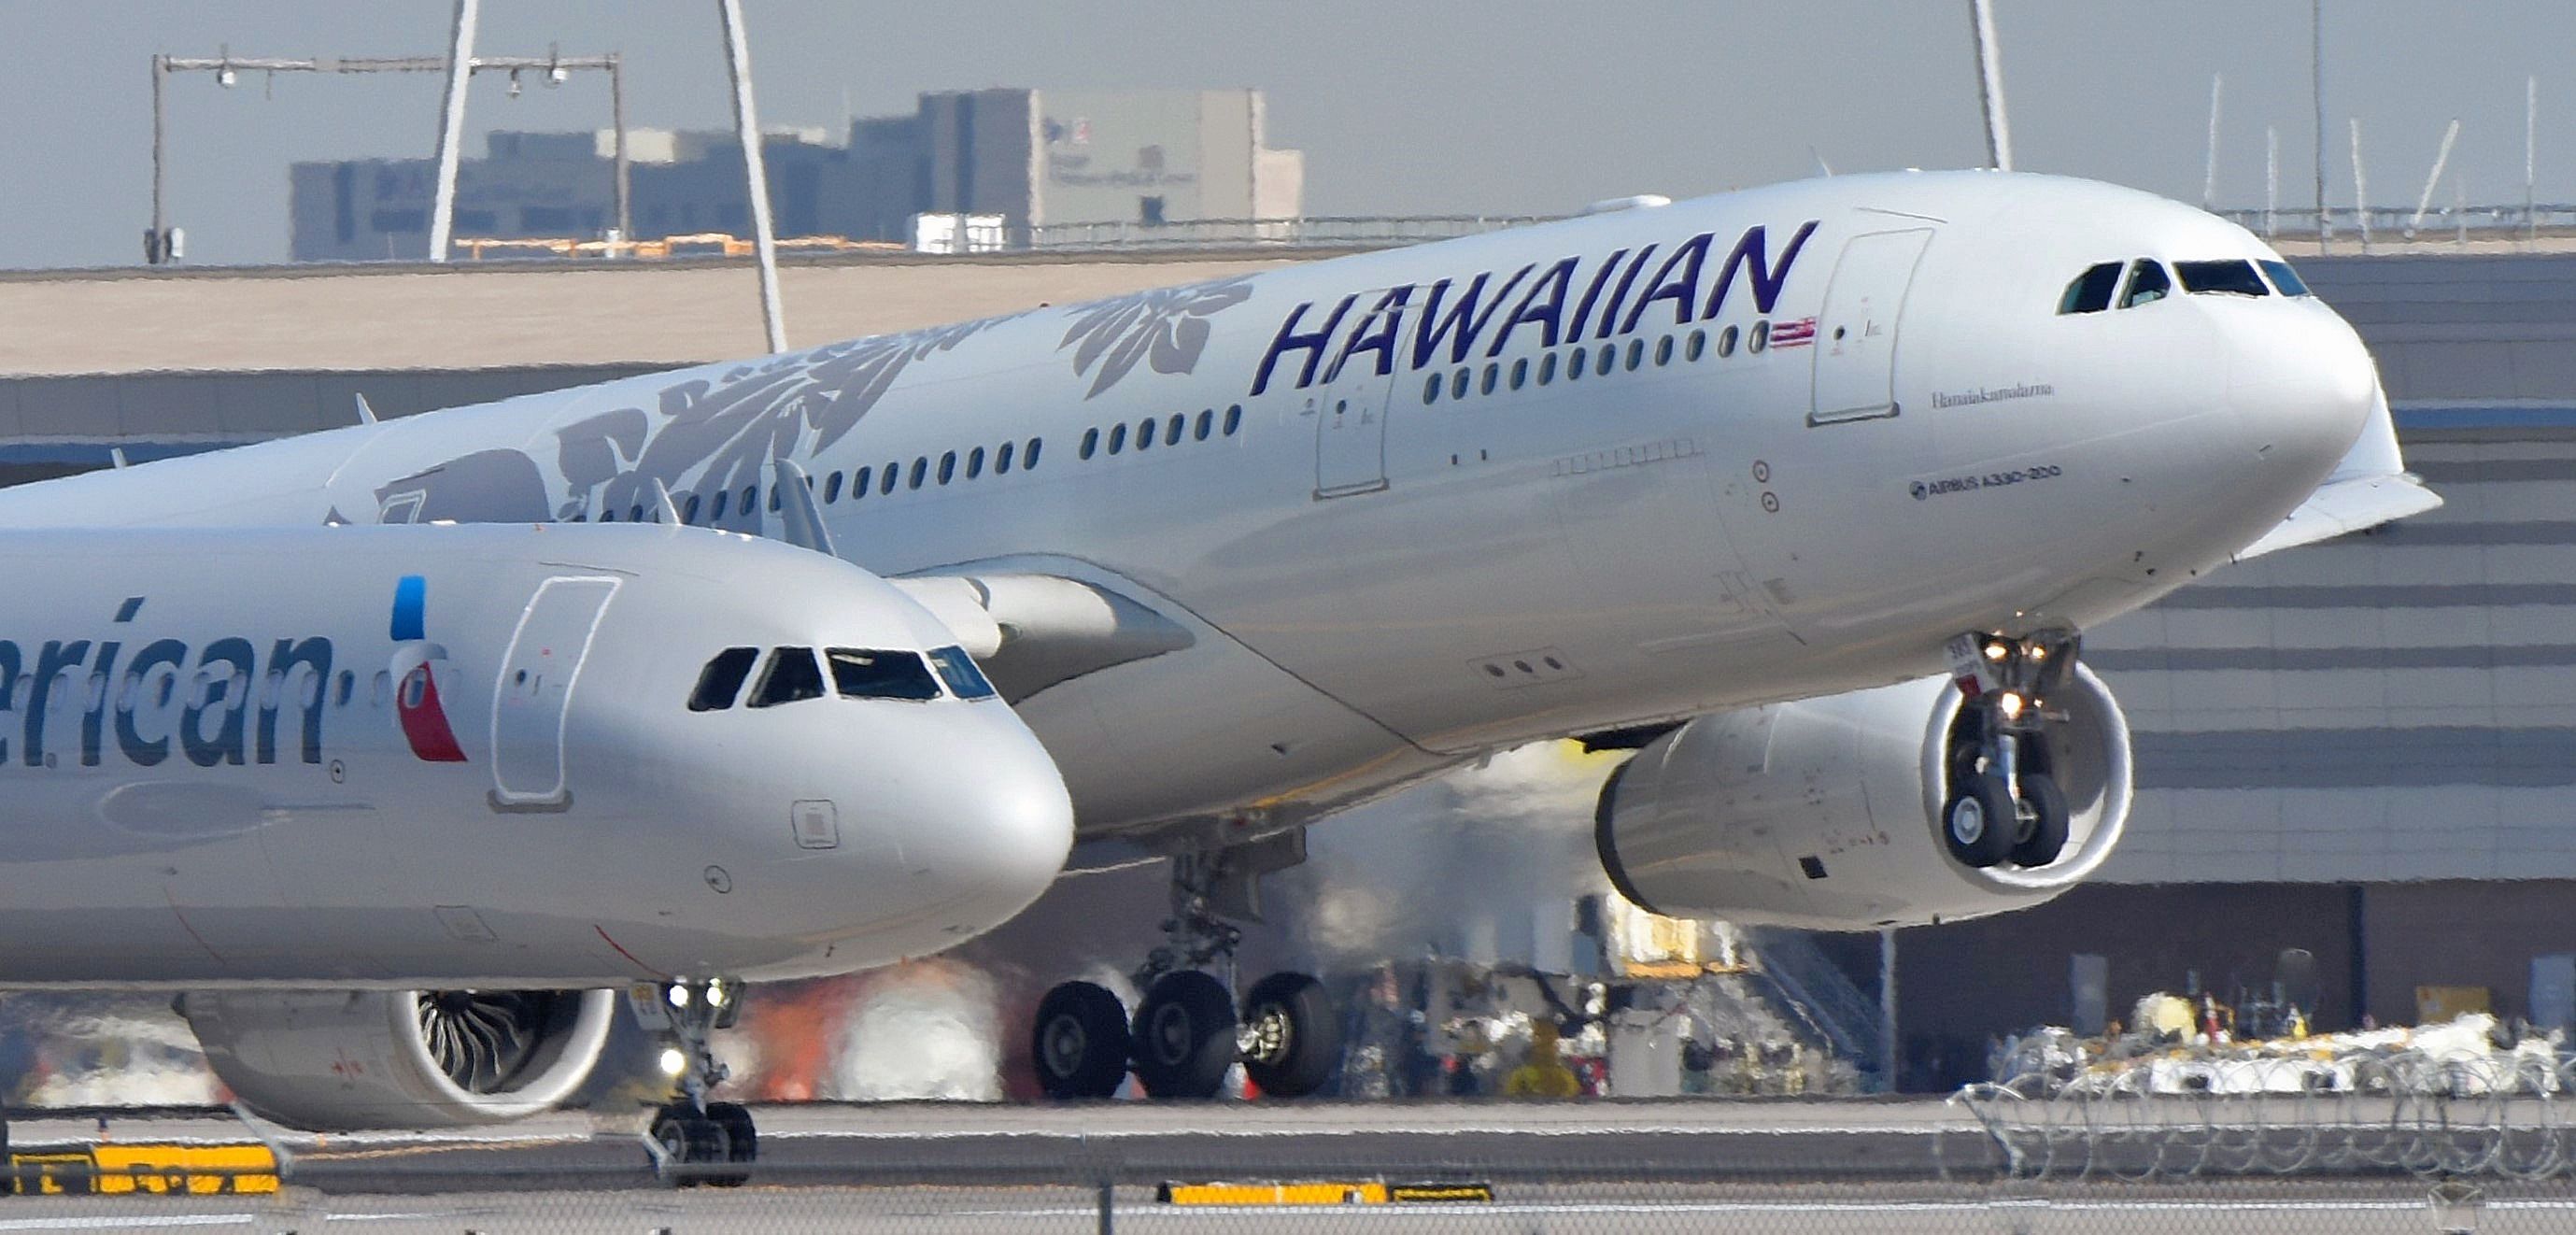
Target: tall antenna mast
x=1990, y=86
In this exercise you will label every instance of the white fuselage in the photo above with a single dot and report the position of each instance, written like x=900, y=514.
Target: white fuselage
x=1819, y=428
x=369, y=756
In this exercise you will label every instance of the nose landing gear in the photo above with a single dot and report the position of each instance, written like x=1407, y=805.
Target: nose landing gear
x=1186, y=1032
x=2004, y=806
x=692, y=1132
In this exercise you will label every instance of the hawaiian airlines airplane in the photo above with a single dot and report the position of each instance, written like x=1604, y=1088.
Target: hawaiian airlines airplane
x=1806, y=492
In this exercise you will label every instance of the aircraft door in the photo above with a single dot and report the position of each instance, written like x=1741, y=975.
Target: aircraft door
x=1351, y=402
x=1855, y=338
x=533, y=695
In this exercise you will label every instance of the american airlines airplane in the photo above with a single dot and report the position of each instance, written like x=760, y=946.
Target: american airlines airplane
x=1806, y=493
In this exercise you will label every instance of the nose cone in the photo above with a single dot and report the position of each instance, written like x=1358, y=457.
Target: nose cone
x=2300, y=386
x=996, y=820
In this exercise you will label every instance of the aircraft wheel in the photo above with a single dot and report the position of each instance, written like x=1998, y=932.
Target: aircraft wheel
x=1079, y=1044
x=1183, y=1037
x=2043, y=813
x=1295, y=1037
x=689, y=1139
x=741, y=1141
x=1980, y=823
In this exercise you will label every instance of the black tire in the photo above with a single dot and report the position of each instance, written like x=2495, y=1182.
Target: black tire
x=741, y=1141
x=2043, y=835
x=1078, y=1044
x=1183, y=1036
x=1296, y=1038
x=1978, y=823
x=689, y=1141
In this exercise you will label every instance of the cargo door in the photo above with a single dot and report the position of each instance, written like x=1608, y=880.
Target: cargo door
x=533, y=695
x=1855, y=337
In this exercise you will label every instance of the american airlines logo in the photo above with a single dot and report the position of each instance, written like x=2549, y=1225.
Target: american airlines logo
x=1456, y=317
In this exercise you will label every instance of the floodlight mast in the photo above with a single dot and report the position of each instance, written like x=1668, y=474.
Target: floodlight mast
x=226, y=67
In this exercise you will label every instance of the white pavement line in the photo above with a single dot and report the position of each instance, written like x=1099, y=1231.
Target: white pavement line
x=126, y=1223
x=1319, y=1133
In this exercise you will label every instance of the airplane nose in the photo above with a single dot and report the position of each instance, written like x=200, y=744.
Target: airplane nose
x=1004, y=820
x=2301, y=388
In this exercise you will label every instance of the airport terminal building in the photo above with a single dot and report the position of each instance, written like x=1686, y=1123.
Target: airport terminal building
x=2364, y=750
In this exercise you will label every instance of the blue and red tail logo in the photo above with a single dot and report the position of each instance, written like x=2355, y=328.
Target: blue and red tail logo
x=424, y=720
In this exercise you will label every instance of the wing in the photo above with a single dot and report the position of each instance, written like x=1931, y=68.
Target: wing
x=2370, y=487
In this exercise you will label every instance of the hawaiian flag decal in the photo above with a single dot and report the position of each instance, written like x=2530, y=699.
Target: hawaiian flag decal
x=1800, y=333
x=424, y=721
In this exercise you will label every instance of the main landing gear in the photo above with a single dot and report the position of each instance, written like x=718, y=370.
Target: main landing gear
x=2004, y=805
x=691, y=1133
x=1187, y=1032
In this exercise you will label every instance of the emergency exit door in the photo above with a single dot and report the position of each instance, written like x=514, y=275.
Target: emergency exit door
x=1856, y=333
x=1350, y=403
x=533, y=696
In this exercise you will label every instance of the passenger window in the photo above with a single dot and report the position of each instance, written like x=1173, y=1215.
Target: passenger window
x=1547, y=368
x=1726, y=343
x=690, y=515
x=721, y=680
x=2147, y=283
x=1492, y=373
x=1145, y=435
x=859, y=484
x=863, y=674
x=1172, y=429
x=1090, y=442
x=1664, y=351
x=1233, y=419
x=920, y=471
x=2233, y=278
x=893, y=475
x=2286, y=279
x=716, y=514
x=947, y=467
x=2091, y=290
x=1697, y=347
x=608, y=516
x=1117, y=438
x=1609, y=357
x=790, y=678
x=1574, y=366
x=958, y=670
x=832, y=488
x=1458, y=384
x=1520, y=373
x=1636, y=354
x=751, y=499
x=1002, y=459
x=974, y=463
x=348, y=686
x=1207, y=419
x=1029, y=456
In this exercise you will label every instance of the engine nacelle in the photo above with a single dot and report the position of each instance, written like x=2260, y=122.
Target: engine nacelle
x=342, y=1060
x=1826, y=813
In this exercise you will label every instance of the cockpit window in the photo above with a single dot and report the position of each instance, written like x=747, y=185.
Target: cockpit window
x=721, y=680
x=2235, y=277
x=958, y=670
x=2147, y=282
x=790, y=677
x=2091, y=290
x=2286, y=279
x=868, y=674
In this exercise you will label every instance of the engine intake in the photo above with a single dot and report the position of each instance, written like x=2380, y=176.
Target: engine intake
x=1826, y=813
x=345, y=1060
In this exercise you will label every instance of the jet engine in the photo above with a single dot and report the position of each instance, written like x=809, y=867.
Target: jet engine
x=1826, y=813
x=344, y=1060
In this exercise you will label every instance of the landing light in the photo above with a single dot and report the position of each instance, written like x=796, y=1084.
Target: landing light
x=1996, y=651
x=673, y=1062
x=678, y=995
x=2009, y=704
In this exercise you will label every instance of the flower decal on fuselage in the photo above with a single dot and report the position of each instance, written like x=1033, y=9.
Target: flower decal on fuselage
x=1166, y=328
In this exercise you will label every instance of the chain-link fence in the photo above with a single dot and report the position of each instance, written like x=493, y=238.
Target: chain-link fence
x=2112, y=1151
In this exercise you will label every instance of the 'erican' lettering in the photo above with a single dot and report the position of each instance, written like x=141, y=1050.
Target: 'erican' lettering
x=215, y=705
